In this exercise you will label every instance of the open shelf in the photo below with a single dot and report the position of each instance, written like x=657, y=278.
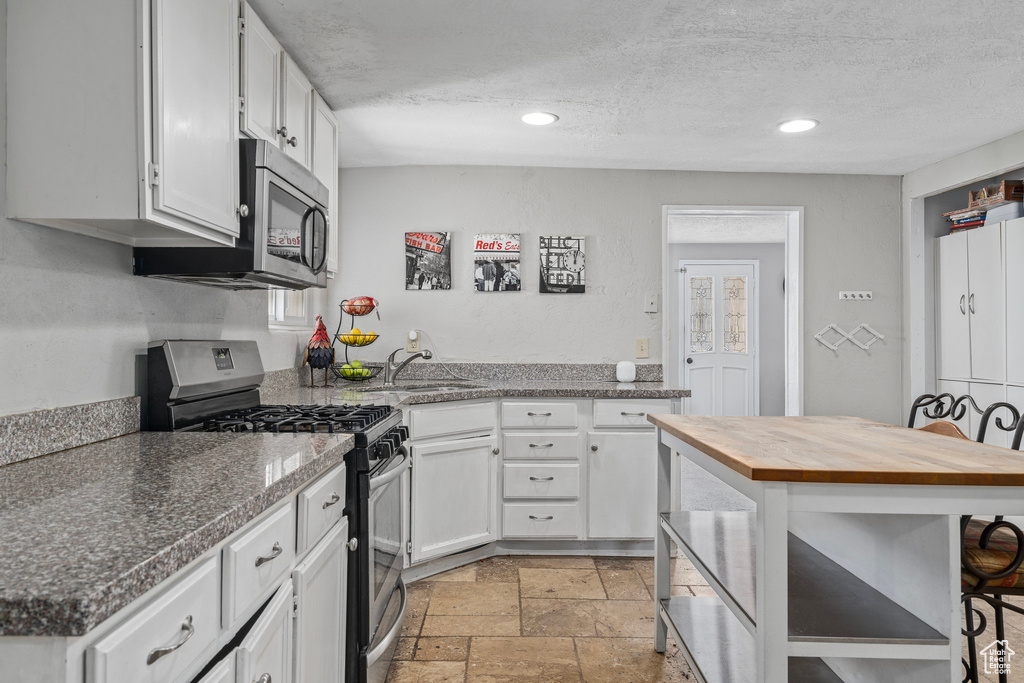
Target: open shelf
x=719, y=650
x=830, y=609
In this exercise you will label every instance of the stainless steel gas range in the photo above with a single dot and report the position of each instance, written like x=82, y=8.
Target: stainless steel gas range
x=197, y=385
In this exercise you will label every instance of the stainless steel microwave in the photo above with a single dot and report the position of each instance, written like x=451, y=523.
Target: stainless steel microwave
x=283, y=232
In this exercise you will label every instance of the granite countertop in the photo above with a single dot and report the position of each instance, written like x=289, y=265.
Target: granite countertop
x=400, y=396
x=87, y=530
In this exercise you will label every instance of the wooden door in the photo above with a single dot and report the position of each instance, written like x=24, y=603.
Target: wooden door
x=297, y=112
x=267, y=649
x=718, y=350
x=621, y=484
x=261, y=79
x=195, y=111
x=986, y=303
x=325, y=168
x=320, y=583
x=953, y=331
x=454, y=496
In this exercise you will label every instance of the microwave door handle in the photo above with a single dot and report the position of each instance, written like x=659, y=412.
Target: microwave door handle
x=304, y=240
x=327, y=226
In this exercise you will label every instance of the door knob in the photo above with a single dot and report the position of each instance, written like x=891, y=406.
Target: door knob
x=689, y=361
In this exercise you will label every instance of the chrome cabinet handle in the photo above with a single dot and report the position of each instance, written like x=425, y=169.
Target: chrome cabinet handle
x=538, y=414
x=334, y=499
x=189, y=630
x=495, y=450
x=633, y=414
x=542, y=445
x=283, y=131
x=265, y=678
x=542, y=478
x=293, y=141
x=353, y=543
x=542, y=519
x=274, y=552
x=962, y=311
x=594, y=447
x=970, y=302
x=242, y=211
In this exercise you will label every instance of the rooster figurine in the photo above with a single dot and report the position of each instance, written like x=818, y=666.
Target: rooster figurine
x=319, y=352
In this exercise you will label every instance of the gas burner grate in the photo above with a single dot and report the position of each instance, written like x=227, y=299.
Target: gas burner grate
x=298, y=418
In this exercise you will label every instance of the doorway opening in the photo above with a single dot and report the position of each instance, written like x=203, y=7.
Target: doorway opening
x=737, y=344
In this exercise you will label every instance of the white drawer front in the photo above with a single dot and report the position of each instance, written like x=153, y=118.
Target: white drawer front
x=256, y=562
x=533, y=414
x=190, y=606
x=321, y=505
x=548, y=520
x=542, y=445
x=527, y=480
x=629, y=412
x=457, y=419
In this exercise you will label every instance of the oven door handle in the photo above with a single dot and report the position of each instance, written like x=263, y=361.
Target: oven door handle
x=393, y=473
x=373, y=655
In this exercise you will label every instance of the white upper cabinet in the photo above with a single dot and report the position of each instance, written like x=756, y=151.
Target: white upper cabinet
x=953, y=327
x=261, y=79
x=986, y=304
x=325, y=168
x=297, y=112
x=1014, y=245
x=149, y=156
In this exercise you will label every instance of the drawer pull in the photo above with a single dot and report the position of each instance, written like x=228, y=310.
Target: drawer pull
x=274, y=552
x=538, y=414
x=542, y=519
x=625, y=414
x=189, y=630
x=542, y=478
x=265, y=678
x=334, y=499
x=542, y=445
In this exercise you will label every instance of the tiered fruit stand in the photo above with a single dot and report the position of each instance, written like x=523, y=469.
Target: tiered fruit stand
x=357, y=307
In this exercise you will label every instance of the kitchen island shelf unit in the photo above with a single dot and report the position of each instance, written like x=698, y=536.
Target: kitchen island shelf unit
x=831, y=611
x=701, y=624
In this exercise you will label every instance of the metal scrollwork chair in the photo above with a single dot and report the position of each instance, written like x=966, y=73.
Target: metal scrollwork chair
x=942, y=407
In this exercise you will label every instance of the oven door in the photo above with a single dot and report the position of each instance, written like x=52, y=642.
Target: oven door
x=384, y=526
x=290, y=231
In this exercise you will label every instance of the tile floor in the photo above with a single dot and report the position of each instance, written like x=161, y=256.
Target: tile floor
x=539, y=619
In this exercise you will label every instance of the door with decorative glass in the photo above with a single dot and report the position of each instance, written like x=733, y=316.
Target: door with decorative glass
x=718, y=343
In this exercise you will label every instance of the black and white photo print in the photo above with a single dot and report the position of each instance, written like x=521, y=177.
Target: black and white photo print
x=562, y=265
x=428, y=260
x=496, y=263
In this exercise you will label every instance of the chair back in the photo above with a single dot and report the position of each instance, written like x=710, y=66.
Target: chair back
x=945, y=428
x=995, y=414
x=941, y=407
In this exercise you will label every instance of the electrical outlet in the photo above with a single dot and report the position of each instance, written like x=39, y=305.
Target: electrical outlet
x=651, y=303
x=412, y=342
x=854, y=296
x=643, y=347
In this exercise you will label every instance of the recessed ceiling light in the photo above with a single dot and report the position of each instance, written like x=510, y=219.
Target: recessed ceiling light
x=539, y=118
x=797, y=125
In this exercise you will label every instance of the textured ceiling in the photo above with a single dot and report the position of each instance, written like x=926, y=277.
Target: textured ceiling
x=655, y=84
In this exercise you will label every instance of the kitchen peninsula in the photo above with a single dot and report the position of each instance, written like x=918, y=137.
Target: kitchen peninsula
x=849, y=568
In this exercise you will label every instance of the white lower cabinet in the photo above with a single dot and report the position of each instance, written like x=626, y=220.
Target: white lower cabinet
x=621, y=484
x=224, y=672
x=320, y=606
x=454, y=495
x=265, y=654
x=541, y=520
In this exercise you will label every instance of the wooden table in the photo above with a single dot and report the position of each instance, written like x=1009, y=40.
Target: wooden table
x=847, y=569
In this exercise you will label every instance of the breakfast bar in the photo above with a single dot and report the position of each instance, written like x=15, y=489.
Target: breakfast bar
x=848, y=569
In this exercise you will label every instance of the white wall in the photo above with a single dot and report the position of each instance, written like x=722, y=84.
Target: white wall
x=851, y=241
x=72, y=316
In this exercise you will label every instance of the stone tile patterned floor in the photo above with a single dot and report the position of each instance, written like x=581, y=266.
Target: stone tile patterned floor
x=523, y=619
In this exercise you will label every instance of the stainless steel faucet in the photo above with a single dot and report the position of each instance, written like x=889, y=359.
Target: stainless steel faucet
x=391, y=369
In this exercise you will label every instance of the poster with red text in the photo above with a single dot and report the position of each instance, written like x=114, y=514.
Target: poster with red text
x=428, y=260
x=496, y=263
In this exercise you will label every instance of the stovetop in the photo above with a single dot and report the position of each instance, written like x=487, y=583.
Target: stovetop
x=353, y=419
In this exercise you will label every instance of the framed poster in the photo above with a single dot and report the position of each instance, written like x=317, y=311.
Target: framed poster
x=428, y=260
x=496, y=263
x=563, y=265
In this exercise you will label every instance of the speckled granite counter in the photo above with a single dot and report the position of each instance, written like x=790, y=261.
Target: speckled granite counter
x=412, y=392
x=86, y=531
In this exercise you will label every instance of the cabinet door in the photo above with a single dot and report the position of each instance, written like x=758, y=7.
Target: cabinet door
x=320, y=601
x=953, y=332
x=454, y=496
x=986, y=304
x=622, y=484
x=325, y=168
x=297, y=112
x=224, y=672
x=195, y=111
x=1013, y=237
x=261, y=79
x=267, y=649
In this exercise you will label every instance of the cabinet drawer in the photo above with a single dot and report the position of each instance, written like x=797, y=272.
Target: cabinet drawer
x=522, y=414
x=526, y=480
x=542, y=445
x=548, y=520
x=256, y=562
x=458, y=419
x=190, y=606
x=321, y=505
x=629, y=412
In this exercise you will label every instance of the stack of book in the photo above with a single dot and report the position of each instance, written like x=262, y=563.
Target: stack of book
x=965, y=219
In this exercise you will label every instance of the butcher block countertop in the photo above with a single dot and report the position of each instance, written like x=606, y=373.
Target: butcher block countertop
x=843, y=450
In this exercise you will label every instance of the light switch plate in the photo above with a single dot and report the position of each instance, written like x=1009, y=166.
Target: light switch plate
x=854, y=296
x=643, y=347
x=651, y=303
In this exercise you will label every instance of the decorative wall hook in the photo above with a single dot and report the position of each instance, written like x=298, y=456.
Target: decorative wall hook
x=848, y=336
